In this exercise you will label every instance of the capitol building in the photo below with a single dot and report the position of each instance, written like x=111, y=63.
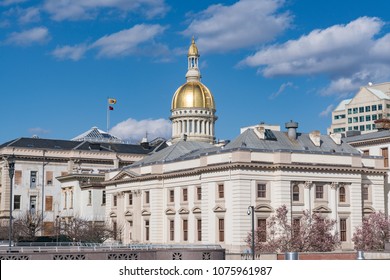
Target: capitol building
x=189, y=189
x=194, y=191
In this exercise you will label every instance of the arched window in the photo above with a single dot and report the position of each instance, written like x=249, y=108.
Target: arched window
x=342, y=194
x=295, y=193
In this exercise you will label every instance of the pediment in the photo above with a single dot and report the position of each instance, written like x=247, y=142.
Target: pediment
x=170, y=211
x=196, y=210
x=183, y=211
x=263, y=208
x=113, y=215
x=128, y=213
x=123, y=175
x=218, y=209
x=322, y=209
x=368, y=210
x=145, y=213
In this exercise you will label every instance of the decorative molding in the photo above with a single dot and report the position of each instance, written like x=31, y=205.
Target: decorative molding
x=219, y=209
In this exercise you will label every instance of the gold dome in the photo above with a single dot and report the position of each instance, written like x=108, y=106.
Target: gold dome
x=193, y=94
x=193, y=49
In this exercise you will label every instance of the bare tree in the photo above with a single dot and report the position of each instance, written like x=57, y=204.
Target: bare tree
x=82, y=230
x=27, y=225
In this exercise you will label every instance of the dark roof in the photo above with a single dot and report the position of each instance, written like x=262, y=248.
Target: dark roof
x=40, y=143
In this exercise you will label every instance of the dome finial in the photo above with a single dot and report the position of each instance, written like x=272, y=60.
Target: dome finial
x=193, y=49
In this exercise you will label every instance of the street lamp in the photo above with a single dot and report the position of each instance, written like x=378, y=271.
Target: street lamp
x=58, y=228
x=251, y=211
x=11, y=172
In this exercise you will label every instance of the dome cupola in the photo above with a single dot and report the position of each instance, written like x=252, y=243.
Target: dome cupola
x=193, y=107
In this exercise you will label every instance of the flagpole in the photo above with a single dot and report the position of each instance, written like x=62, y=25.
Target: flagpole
x=108, y=113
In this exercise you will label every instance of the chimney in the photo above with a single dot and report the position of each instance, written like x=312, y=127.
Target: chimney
x=292, y=129
x=315, y=137
x=336, y=137
x=260, y=131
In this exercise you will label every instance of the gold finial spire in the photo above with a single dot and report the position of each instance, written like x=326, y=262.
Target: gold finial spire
x=193, y=50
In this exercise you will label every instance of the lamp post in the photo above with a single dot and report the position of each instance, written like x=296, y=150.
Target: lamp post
x=11, y=172
x=58, y=228
x=251, y=211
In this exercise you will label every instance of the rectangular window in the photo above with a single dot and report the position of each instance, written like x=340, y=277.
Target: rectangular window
x=48, y=228
x=368, y=126
x=368, y=108
x=221, y=230
x=361, y=119
x=199, y=193
x=185, y=194
x=385, y=155
x=130, y=199
x=33, y=204
x=199, y=229
x=355, y=119
x=49, y=178
x=147, y=197
x=261, y=190
x=349, y=120
x=103, y=197
x=185, y=230
x=171, y=230
x=33, y=179
x=16, y=202
x=361, y=128
x=368, y=118
x=115, y=200
x=89, y=197
x=319, y=192
x=295, y=193
x=355, y=128
x=172, y=196
x=262, y=225
x=365, y=193
x=373, y=108
x=374, y=117
x=147, y=230
x=343, y=229
x=366, y=152
x=373, y=126
x=18, y=177
x=115, y=230
x=349, y=111
x=355, y=110
x=296, y=226
x=49, y=203
x=380, y=107
x=380, y=116
x=221, y=191
x=361, y=109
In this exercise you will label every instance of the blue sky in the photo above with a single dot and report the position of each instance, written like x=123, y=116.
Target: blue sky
x=264, y=61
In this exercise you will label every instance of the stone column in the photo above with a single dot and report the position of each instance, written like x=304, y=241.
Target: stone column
x=307, y=195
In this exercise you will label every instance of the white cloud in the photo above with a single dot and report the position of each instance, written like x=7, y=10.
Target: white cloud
x=126, y=41
x=38, y=35
x=11, y=2
x=134, y=130
x=74, y=53
x=244, y=24
x=282, y=88
x=29, y=15
x=327, y=111
x=38, y=131
x=122, y=43
x=88, y=9
x=349, y=54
